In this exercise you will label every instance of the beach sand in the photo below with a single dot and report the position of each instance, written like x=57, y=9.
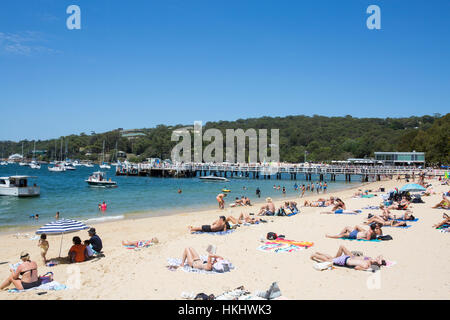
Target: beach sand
x=421, y=253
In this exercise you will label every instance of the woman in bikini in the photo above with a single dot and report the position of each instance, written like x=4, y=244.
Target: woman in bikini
x=27, y=270
x=358, y=233
x=193, y=260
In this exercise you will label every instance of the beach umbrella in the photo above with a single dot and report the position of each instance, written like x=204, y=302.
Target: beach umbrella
x=61, y=227
x=412, y=187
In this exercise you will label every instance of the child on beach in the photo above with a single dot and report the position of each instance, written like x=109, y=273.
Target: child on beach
x=43, y=244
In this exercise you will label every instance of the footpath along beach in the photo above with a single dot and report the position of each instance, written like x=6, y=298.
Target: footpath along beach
x=421, y=253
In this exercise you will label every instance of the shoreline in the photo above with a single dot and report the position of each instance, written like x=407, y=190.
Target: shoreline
x=6, y=230
x=142, y=274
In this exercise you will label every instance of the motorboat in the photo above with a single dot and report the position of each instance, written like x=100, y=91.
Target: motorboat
x=23, y=164
x=3, y=163
x=213, y=178
x=35, y=165
x=18, y=186
x=98, y=179
x=57, y=168
x=105, y=165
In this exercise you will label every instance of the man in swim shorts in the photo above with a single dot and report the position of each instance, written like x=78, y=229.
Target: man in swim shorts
x=358, y=233
x=216, y=226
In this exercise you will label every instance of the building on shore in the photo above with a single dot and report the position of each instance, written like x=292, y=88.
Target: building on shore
x=401, y=158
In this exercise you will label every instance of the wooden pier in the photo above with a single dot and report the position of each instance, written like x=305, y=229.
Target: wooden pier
x=303, y=172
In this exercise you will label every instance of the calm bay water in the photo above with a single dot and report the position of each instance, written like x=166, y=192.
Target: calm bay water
x=68, y=193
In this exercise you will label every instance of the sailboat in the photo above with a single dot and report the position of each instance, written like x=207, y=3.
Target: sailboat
x=59, y=166
x=34, y=164
x=22, y=163
x=104, y=164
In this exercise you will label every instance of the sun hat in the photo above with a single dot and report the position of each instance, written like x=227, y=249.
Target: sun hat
x=91, y=230
x=24, y=254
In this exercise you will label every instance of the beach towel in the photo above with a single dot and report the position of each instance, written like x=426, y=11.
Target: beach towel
x=141, y=244
x=279, y=247
x=340, y=211
x=176, y=262
x=445, y=226
x=218, y=233
x=373, y=240
x=47, y=287
x=292, y=214
x=371, y=208
x=403, y=227
x=415, y=220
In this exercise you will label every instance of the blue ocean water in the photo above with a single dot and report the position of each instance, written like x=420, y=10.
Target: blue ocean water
x=68, y=193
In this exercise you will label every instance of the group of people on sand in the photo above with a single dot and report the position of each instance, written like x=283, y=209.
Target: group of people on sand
x=243, y=201
x=25, y=275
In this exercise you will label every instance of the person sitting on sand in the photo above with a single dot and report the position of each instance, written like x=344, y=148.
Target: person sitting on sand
x=220, y=199
x=358, y=233
x=216, y=226
x=243, y=217
x=141, y=243
x=339, y=204
x=443, y=223
x=345, y=258
x=237, y=202
x=246, y=201
x=78, y=252
x=43, y=244
x=194, y=261
x=444, y=204
x=319, y=203
x=27, y=270
x=268, y=209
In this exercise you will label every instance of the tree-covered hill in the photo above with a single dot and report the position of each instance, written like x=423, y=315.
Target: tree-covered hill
x=324, y=138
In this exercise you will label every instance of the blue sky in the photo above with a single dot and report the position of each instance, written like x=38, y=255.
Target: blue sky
x=140, y=63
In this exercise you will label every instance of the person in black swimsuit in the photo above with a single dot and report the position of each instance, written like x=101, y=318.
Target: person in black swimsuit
x=28, y=272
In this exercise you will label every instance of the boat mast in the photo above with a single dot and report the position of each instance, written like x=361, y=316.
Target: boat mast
x=34, y=151
x=103, y=151
x=60, y=152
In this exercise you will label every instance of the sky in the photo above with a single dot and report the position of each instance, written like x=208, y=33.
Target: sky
x=140, y=63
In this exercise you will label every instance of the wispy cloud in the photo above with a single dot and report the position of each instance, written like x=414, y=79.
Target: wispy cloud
x=24, y=43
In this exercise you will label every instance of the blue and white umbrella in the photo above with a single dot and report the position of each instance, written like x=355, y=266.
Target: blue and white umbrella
x=412, y=187
x=60, y=227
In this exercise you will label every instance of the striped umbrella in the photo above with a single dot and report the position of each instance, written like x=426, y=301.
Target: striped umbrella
x=60, y=227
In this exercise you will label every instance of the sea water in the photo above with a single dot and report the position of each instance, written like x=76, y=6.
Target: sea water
x=68, y=193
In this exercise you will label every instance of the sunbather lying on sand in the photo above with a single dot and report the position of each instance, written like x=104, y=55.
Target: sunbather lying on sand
x=218, y=225
x=319, y=203
x=358, y=233
x=243, y=217
x=345, y=258
x=445, y=222
x=444, y=204
x=392, y=223
x=140, y=243
x=194, y=260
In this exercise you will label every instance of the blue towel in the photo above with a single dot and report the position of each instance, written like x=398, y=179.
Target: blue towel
x=340, y=211
x=373, y=240
x=292, y=214
x=218, y=233
x=415, y=220
x=404, y=227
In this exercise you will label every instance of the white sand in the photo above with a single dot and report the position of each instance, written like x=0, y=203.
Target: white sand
x=421, y=252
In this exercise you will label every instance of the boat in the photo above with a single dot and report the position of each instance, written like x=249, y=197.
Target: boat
x=18, y=186
x=98, y=179
x=57, y=168
x=23, y=164
x=213, y=178
x=35, y=165
x=3, y=163
x=226, y=190
x=88, y=165
x=104, y=164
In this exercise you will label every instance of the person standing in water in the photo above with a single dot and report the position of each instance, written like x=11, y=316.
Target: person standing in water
x=258, y=192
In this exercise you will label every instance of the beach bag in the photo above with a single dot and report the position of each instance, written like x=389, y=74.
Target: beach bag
x=46, y=278
x=222, y=266
x=385, y=237
x=271, y=236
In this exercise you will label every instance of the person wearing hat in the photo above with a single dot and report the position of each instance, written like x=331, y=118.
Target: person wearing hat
x=96, y=242
x=27, y=270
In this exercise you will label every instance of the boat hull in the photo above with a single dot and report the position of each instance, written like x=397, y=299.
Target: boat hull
x=21, y=192
x=102, y=184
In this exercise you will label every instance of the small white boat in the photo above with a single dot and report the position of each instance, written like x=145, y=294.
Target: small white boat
x=69, y=166
x=35, y=165
x=105, y=166
x=213, y=178
x=98, y=179
x=88, y=165
x=3, y=163
x=57, y=168
x=76, y=164
x=23, y=164
x=18, y=186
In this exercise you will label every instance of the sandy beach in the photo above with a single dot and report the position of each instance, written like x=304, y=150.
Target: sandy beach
x=421, y=254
